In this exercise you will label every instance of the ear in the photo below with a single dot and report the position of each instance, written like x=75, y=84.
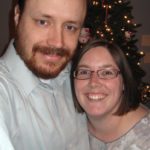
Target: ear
x=16, y=15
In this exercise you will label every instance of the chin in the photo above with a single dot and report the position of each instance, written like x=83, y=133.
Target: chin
x=51, y=72
x=46, y=73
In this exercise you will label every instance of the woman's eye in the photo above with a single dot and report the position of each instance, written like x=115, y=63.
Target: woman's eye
x=107, y=72
x=84, y=72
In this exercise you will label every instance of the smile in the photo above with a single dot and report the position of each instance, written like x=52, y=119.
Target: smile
x=96, y=97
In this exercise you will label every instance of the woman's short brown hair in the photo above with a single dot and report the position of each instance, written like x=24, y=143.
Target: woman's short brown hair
x=130, y=100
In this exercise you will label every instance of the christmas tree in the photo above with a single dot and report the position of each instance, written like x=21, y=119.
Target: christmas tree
x=113, y=20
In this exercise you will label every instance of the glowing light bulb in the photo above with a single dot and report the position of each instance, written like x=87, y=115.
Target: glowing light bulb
x=128, y=21
x=142, y=53
x=125, y=17
x=138, y=63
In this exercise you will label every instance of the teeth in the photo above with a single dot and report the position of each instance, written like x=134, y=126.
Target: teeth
x=96, y=97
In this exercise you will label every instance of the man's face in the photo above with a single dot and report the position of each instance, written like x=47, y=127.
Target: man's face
x=47, y=34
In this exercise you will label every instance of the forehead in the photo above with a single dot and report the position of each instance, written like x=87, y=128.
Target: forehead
x=75, y=9
x=97, y=57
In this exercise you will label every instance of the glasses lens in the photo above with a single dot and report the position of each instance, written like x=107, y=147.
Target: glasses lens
x=82, y=74
x=107, y=73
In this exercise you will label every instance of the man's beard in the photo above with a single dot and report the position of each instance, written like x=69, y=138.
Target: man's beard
x=52, y=68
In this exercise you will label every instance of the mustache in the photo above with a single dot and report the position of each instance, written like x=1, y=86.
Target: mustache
x=50, y=50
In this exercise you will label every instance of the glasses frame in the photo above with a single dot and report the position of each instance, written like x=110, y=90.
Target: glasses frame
x=117, y=72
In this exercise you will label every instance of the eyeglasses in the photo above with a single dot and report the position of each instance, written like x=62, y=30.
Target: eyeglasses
x=107, y=73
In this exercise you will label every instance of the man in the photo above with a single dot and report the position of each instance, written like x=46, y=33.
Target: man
x=36, y=107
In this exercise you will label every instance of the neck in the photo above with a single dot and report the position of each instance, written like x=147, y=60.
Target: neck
x=112, y=127
x=106, y=128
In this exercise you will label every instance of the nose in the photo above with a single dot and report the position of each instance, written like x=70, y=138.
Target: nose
x=55, y=37
x=94, y=80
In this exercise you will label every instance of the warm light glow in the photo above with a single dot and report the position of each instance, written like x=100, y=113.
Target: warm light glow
x=138, y=63
x=125, y=17
x=104, y=6
x=108, y=29
x=102, y=35
x=97, y=32
x=128, y=21
x=109, y=6
x=106, y=25
x=95, y=2
x=142, y=53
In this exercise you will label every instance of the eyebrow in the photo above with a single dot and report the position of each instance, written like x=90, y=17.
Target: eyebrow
x=107, y=66
x=43, y=15
x=103, y=66
x=85, y=66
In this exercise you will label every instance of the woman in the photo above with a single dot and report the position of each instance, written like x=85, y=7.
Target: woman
x=103, y=86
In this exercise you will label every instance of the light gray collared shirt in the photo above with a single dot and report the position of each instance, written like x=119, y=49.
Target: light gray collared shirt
x=37, y=114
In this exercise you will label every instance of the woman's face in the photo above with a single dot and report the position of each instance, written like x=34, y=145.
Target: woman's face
x=98, y=97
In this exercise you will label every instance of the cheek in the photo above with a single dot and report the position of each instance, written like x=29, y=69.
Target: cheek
x=79, y=91
x=28, y=38
x=29, y=31
x=117, y=88
x=76, y=87
x=79, y=88
x=24, y=33
x=71, y=41
x=25, y=41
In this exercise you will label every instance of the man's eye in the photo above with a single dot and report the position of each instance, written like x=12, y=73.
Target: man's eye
x=42, y=22
x=70, y=28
